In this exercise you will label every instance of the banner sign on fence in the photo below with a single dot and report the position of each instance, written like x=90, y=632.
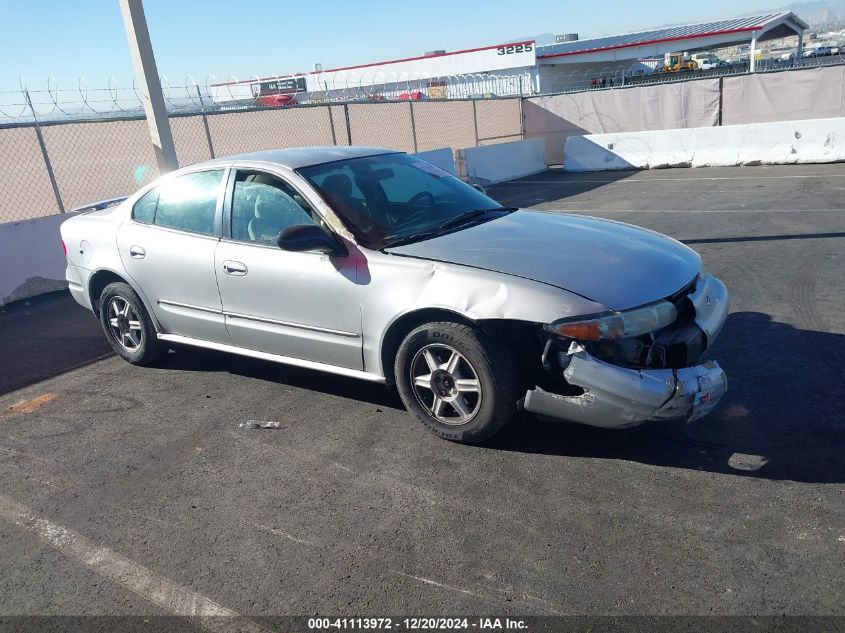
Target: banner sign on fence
x=284, y=86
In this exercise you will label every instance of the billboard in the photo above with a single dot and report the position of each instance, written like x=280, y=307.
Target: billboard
x=284, y=86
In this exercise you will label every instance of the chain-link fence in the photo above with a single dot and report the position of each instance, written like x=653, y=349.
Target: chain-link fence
x=52, y=167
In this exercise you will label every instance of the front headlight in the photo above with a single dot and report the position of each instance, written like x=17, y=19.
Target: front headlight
x=616, y=325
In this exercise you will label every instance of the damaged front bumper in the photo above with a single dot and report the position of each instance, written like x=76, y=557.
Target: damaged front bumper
x=619, y=397
x=615, y=397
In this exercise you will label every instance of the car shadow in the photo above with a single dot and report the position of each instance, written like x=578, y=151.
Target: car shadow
x=781, y=418
x=778, y=420
x=46, y=336
x=185, y=358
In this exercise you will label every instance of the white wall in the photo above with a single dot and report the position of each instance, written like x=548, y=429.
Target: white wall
x=780, y=143
x=491, y=164
x=31, y=258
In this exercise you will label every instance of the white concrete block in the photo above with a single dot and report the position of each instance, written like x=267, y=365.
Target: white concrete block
x=491, y=164
x=780, y=143
x=31, y=258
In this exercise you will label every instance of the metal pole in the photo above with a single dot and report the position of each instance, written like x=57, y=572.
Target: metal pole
x=44, y=154
x=413, y=125
x=522, y=118
x=475, y=121
x=331, y=123
x=752, y=62
x=143, y=61
x=205, y=124
x=348, y=127
x=721, y=97
x=799, y=55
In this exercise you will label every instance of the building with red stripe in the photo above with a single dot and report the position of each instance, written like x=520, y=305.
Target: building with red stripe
x=514, y=67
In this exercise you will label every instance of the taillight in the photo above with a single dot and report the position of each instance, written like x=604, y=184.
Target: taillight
x=64, y=248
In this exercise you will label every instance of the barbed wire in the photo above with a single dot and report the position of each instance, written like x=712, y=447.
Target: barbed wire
x=54, y=103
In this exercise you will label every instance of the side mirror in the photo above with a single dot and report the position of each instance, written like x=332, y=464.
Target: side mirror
x=309, y=237
x=479, y=188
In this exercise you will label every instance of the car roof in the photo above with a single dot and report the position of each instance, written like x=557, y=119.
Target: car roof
x=296, y=157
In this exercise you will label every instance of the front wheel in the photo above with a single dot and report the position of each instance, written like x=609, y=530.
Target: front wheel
x=459, y=382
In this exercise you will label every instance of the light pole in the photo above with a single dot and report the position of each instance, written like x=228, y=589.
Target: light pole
x=146, y=75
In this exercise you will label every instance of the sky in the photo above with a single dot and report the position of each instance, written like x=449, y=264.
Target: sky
x=67, y=39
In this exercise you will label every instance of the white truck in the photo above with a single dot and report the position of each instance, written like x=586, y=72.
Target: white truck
x=706, y=61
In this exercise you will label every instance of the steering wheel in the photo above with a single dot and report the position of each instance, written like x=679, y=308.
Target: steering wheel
x=423, y=197
x=409, y=219
x=433, y=211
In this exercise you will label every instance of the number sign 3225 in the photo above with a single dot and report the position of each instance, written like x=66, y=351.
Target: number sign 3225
x=515, y=48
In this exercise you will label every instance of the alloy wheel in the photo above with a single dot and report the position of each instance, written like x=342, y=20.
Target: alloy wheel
x=446, y=384
x=124, y=324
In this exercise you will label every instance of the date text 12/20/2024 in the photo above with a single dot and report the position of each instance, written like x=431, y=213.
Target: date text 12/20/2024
x=417, y=624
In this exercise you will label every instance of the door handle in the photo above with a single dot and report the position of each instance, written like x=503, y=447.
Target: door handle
x=136, y=252
x=234, y=268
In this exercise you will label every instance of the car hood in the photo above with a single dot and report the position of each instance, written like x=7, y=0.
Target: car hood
x=618, y=265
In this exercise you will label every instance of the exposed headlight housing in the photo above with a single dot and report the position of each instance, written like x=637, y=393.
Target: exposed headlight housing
x=616, y=325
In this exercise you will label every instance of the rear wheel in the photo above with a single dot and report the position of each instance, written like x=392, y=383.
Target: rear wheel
x=460, y=383
x=127, y=325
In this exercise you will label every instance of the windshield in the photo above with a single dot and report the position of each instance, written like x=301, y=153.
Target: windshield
x=396, y=197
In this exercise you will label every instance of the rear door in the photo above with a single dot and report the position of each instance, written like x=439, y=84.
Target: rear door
x=302, y=305
x=168, y=249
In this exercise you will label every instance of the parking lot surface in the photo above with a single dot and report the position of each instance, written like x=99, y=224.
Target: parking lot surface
x=133, y=490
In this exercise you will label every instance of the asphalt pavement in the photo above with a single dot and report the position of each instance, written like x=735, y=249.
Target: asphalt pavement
x=133, y=490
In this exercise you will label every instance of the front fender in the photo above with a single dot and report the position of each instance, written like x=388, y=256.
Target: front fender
x=399, y=285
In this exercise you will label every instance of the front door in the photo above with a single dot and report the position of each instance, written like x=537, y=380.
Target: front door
x=301, y=305
x=168, y=249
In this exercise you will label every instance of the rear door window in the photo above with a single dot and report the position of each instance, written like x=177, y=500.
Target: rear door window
x=186, y=203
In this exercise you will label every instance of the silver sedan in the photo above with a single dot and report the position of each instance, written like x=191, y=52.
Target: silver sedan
x=375, y=264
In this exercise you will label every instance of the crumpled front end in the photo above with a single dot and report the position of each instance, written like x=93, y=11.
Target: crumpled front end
x=616, y=397
x=659, y=377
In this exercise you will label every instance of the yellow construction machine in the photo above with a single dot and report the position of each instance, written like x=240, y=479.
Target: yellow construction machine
x=676, y=62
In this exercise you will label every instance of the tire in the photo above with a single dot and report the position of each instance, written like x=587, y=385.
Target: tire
x=466, y=416
x=134, y=339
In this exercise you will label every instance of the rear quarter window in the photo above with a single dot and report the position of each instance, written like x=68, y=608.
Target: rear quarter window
x=145, y=209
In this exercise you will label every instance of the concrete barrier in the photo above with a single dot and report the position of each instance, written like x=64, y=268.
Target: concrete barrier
x=443, y=158
x=31, y=258
x=780, y=143
x=491, y=164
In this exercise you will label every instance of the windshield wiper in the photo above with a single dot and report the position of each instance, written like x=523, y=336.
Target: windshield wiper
x=409, y=239
x=459, y=219
x=466, y=216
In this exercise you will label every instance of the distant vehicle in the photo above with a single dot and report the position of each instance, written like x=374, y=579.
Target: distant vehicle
x=275, y=101
x=678, y=62
x=707, y=65
x=706, y=61
x=373, y=264
x=414, y=95
x=821, y=51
